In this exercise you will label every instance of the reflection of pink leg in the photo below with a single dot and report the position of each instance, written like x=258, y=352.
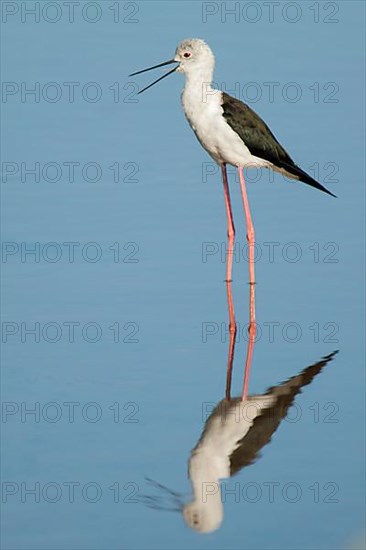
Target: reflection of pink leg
x=232, y=332
x=251, y=242
x=230, y=223
x=251, y=335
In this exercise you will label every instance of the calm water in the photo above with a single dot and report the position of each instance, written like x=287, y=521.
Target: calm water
x=115, y=326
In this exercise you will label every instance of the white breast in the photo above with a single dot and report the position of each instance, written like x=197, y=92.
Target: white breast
x=205, y=115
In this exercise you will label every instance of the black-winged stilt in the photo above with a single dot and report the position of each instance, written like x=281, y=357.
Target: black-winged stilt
x=232, y=133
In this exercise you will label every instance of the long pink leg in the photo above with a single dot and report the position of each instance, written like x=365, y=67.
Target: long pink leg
x=252, y=322
x=230, y=223
x=232, y=332
x=250, y=229
x=229, y=264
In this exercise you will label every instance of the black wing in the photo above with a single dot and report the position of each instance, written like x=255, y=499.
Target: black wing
x=260, y=140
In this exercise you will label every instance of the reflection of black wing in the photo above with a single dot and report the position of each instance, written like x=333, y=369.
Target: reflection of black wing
x=267, y=423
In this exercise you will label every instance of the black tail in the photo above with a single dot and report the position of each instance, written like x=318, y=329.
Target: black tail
x=294, y=170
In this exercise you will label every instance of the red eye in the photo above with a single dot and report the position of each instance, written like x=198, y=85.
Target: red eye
x=187, y=54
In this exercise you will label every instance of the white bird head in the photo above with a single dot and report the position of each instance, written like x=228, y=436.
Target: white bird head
x=192, y=56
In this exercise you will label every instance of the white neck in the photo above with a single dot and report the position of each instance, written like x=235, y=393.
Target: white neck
x=199, y=78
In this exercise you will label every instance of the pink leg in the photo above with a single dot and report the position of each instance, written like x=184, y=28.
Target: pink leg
x=250, y=227
x=230, y=223
x=231, y=238
x=252, y=323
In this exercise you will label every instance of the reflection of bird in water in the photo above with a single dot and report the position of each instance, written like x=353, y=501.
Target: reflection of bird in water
x=232, y=437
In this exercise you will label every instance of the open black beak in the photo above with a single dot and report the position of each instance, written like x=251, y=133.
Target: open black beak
x=155, y=67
